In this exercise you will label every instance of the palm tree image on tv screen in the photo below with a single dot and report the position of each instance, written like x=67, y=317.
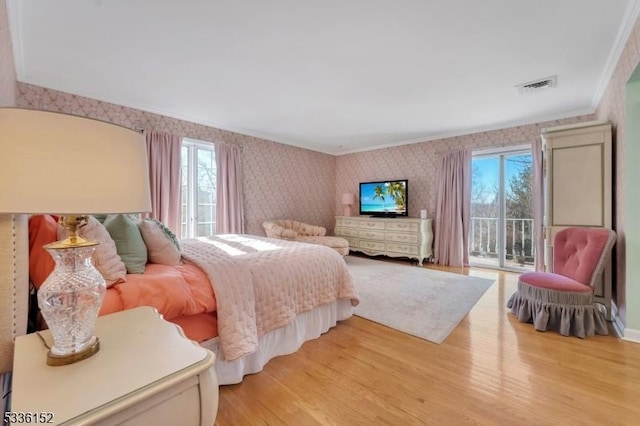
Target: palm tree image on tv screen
x=384, y=198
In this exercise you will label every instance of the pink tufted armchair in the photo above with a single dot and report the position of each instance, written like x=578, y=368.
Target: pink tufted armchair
x=300, y=231
x=563, y=300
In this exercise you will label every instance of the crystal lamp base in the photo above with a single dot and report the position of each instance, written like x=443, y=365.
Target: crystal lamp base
x=69, y=301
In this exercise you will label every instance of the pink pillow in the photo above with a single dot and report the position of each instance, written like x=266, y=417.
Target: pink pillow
x=162, y=246
x=105, y=257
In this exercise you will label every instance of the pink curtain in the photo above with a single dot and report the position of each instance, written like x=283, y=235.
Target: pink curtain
x=538, y=202
x=453, y=206
x=163, y=150
x=229, y=203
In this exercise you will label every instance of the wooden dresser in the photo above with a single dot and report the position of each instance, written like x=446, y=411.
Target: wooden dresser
x=394, y=237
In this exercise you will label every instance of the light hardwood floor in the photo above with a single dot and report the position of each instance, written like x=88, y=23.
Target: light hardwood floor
x=491, y=370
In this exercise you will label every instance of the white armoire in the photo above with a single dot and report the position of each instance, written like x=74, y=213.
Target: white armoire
x=578, y=187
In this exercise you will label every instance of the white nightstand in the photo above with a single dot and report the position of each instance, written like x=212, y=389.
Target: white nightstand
x=146, y=373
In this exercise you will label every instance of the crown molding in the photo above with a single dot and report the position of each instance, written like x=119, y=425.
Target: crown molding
x=626, y=28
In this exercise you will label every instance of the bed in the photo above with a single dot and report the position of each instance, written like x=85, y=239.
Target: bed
x=246, y=298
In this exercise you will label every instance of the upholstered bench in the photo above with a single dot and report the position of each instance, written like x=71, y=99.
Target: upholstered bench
x=303, y=232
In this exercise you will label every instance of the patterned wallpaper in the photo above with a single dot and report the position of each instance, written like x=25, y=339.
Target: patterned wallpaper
x=7, y=68
x=280, y=181
x=611, y=108
x=417, y=162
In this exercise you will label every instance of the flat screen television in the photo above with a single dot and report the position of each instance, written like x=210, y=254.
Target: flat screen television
x=384, y=198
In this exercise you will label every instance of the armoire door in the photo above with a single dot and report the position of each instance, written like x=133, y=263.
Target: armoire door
x=578, y=186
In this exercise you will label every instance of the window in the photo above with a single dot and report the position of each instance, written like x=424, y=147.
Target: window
x=198, y=189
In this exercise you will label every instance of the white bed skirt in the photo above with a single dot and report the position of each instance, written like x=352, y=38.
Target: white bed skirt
x=281, y=341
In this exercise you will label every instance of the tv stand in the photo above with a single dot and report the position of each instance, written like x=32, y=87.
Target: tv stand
x=399, y=237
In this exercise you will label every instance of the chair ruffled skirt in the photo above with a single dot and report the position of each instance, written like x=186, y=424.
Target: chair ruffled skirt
x=569, y=313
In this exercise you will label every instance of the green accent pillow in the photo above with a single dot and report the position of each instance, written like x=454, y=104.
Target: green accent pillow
x=129, y=243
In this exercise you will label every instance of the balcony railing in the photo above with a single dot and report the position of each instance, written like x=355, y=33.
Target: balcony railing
x=519, y=249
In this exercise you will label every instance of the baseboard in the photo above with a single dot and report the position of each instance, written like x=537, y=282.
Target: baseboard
x=631, y=335
x=628, y=334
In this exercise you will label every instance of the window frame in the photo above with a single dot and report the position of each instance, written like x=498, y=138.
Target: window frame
x=189, y=202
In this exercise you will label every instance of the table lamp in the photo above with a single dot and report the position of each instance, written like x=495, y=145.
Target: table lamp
x=54, y=163
x=348, y=200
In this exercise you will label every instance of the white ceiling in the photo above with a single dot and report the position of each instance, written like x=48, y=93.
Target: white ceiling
x=334, y=76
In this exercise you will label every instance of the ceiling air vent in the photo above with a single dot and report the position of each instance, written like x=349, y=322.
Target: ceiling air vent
x=537, y=85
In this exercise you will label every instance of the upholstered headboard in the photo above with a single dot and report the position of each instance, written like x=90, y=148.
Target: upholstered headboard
x=14, y=284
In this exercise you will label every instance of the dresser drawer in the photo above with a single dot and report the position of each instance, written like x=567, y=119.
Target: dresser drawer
x=401, y=225
x=371, y=235
x=402, y=238
x=402, y=248
x=346, y=222
x=353, y=242
x=371, y=224
x=371, y=245
x=346, y=232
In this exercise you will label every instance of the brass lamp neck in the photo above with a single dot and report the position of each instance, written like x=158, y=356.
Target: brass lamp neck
x=72, y=223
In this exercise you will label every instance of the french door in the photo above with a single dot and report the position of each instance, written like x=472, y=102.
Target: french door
x=501, y=229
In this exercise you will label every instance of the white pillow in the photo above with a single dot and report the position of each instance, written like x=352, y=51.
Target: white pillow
x=162, y=245
x=105, y=257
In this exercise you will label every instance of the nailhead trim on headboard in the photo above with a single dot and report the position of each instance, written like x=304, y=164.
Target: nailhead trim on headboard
x=14, y=284
x=14, y=258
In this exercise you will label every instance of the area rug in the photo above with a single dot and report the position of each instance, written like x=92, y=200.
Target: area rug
x=422, y=302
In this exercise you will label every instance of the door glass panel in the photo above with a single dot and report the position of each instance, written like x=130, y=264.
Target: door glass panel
x=485, y=203
x=501, y=231
x=198, y=189
x=206, y=192
x=518, y=211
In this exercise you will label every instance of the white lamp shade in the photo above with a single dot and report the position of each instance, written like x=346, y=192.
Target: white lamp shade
x=348, y=199
x=64, y=164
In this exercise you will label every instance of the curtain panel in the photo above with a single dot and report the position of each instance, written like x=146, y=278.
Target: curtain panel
x=163, y=151
x=453, y=209
x=229, y=196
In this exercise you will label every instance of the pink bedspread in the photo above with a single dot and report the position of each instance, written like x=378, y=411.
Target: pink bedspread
x=261, y=283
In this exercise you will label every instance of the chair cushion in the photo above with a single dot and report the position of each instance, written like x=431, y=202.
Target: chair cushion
x=553, y=282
